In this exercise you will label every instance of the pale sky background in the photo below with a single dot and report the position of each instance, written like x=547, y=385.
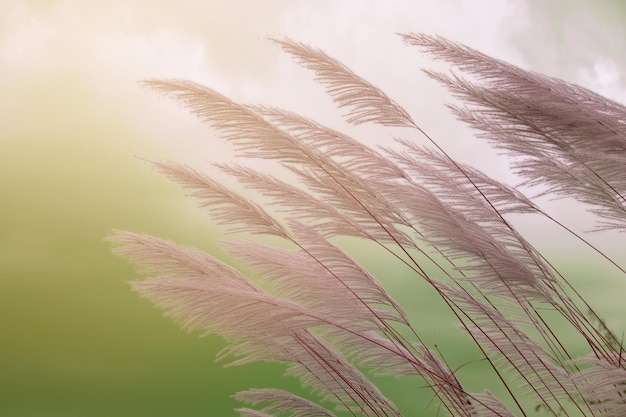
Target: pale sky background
x=70, y=62
x=72, y=115
x=104, y=47
x=71, y=66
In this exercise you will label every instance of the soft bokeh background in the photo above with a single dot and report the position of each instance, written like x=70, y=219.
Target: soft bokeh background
x=74, y=339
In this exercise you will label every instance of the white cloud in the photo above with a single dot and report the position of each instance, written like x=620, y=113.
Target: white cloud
x=107, y=46
x=604, y=77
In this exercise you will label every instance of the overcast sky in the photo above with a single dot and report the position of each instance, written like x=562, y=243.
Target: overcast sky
x=106, y=46
x=67, y=65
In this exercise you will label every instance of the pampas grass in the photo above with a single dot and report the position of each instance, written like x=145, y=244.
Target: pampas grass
x=309, y=305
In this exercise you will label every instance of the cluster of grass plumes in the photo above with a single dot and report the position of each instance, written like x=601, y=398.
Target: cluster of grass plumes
x=311, y=306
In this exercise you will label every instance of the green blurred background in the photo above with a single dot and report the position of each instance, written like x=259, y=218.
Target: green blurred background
x=74, y=339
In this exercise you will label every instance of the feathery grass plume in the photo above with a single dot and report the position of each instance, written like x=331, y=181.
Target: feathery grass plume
x=315, y=309
x=281, y=402
x=572, y=141
x=365, y=102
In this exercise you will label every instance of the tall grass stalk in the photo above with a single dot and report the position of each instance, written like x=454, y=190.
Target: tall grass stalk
x=311, y=306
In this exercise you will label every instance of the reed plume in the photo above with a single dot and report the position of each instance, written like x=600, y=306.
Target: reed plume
x=311, y=306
